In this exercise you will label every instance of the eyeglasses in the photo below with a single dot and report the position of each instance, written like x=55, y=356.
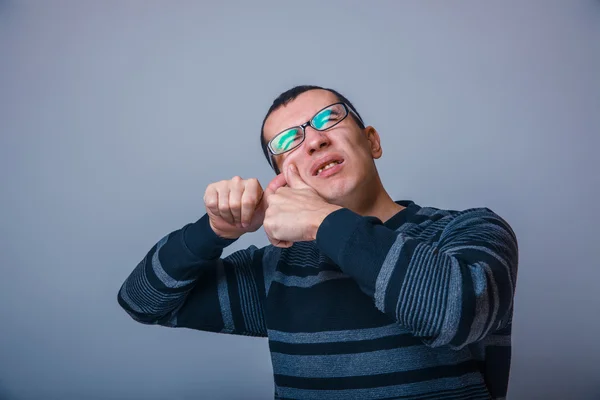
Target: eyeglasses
x=324, y=119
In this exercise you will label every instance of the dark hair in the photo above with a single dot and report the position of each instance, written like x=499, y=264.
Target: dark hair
x=289, y=95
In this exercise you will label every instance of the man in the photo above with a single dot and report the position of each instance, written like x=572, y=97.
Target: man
x=360, y=296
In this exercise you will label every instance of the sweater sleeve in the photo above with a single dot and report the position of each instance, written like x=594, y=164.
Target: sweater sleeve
x=451, y=290
x=183, y=282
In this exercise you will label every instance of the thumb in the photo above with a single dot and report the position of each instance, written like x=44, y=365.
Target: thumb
x=294, y=180
x=276, y=183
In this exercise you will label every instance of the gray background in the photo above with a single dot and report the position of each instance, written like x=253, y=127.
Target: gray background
x=116, y=115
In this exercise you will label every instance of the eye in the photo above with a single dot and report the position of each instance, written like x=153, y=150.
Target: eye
x=286, y=140
x=326, y=118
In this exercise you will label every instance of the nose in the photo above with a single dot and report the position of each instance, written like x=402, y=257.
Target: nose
x=315, y=140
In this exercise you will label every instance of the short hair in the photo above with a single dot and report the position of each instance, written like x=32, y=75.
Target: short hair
x=289, y=95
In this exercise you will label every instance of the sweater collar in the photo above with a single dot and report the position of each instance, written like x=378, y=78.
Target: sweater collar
x=403, y=215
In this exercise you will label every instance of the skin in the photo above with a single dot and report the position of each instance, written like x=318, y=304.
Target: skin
x=295, y=202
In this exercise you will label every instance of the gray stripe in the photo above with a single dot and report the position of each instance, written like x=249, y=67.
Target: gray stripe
x=129, y=302
x=337, y=336
x=243, y=295
x=450, y=304
x=423, y=297
x=150, y=301
x=415, y=390
x=386, y=271
x=248, y=298
x=250, y=307
x=454, y=250
x=143, y=297
x=308, y=281
x=495, y=307
x=224, y=297
x=407, y=226
x=415, y=305
x=161, y=273
x=493, y=254
x=270, y=258
x=483, y=309
x=364, y=364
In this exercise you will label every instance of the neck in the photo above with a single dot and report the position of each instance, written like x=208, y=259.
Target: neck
x=373, y=201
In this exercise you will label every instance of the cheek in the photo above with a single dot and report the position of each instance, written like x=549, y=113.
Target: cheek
x=283, y=163
x=289, y=160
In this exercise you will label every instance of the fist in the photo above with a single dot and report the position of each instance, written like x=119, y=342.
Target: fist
x=235, y=206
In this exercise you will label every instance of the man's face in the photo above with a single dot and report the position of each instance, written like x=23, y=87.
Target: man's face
x=350, y=148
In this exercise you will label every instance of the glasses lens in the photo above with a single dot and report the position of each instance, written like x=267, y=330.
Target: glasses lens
x=328, y=117
x=286, y=140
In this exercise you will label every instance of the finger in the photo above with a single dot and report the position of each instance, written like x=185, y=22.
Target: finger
x=280, y=243
x=211, y=200
x=236, y=190
x=268, y=226
x=283, y=244
x=224, y=210
x=277, y=182
x=250, y=199
x=293, y=178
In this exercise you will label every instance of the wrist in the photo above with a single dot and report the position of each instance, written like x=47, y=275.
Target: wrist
x=200, y=239
x=320, y=217
x=223, y=235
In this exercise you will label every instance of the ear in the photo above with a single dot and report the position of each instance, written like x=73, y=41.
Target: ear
x=374, y=142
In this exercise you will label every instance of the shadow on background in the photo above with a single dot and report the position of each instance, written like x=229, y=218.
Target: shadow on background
x=4, y=395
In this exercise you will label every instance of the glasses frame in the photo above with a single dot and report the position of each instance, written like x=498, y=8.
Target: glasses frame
x=302, y=127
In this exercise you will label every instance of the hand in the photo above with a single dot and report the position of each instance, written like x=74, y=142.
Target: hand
x=294, y=213
x=235, y=206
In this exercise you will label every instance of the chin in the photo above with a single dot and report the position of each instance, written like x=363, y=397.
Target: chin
x=335, y=194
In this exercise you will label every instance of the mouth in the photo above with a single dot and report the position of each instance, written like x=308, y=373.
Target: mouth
x=326, y=165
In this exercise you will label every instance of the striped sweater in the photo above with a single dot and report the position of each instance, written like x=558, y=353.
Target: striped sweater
x=417, y=307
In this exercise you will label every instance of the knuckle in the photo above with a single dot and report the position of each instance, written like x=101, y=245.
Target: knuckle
x=248, y=201
x=210, y=202
x=209, y=189
x=252, y=183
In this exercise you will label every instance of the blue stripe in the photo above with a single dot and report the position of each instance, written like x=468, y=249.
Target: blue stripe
x=448, y=299
x=410, y=389
x=386, y=270
x=161, y=273
x=421, y=301
x=270, y=258
x=249, y=300
x=365, y=364
x=497, y=340
x=143, y=298
x=132, y=304
x=484, y=286
x=224, y=298
x=307, y=281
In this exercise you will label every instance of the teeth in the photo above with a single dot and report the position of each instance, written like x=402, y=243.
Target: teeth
x=331, y=164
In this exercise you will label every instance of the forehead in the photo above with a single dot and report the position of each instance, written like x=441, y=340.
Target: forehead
x=297, y=111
